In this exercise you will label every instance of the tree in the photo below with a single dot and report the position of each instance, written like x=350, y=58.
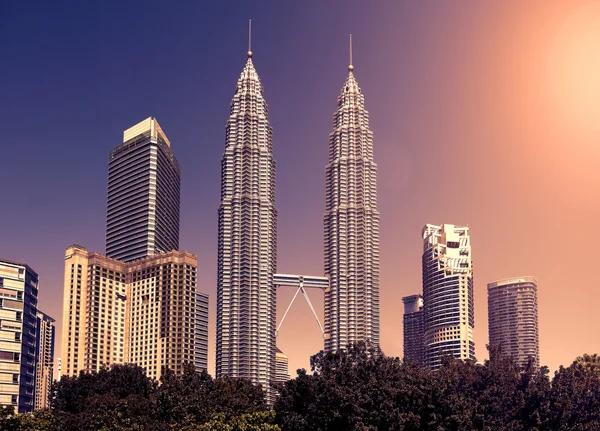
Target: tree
x=75, y=394
x=355, y=389
x=574, y=397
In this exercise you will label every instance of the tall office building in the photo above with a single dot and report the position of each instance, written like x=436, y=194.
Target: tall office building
x=281, y=365
x=513, y=318
x=18, y=313
x=447, y=293
x=94, y=311
x=247, y=255
x=143, y=194
x=141, y=312
x=201, y=344
x=413, y=328
x=351, y=224
x=44, y=359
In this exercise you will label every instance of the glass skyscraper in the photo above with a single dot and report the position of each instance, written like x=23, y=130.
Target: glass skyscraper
x=448, y=303
x=143, y=194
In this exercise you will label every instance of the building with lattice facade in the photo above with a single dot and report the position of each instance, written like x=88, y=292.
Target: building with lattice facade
x=247, y=246
x=351, y=223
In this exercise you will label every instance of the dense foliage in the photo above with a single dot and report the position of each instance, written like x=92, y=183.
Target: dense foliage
x=124, y=399
x=358, y=389
x=362, y=389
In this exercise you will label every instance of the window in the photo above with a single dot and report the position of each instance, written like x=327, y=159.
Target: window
x=15, y=378
x=17, y=336
x=15, y=399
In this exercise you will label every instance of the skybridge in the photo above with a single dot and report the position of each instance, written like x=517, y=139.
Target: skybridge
x=302, y=282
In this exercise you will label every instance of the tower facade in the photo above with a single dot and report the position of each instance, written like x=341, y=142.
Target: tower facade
x=141, y=312
x=143, y=194
x=413, y=328
x=18, y=311
x=513, y=318
x=351, y=223
x=44, y=359
x=448, y=302
x=247, y=248
x=201, y=345
x=281, y=361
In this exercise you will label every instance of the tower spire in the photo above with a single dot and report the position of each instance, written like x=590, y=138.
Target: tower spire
x=350, y=66
x=249, y=38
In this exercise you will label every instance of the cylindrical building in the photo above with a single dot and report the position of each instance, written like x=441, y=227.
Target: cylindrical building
x=513, y=318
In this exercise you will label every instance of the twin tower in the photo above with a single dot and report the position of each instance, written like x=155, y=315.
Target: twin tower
x=247, y=256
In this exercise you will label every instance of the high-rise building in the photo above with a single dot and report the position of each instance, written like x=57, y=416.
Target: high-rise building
x=351, y=224
x=44, y=359
x=413, y=328
x=513, y=318
x=160, y=322
x=94, y=311
x=143, y=194
x=141, y=312
x=57, y=368
x=18, y=313
x=281, y=365
x=247, y=250
x=447, y=293
x=201, y=344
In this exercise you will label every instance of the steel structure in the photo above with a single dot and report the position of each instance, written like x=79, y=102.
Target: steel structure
x=351, y=223
x=247, y=248
x=301, y=282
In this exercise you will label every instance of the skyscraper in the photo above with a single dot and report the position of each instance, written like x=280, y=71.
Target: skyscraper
x=281, y=375
x=143, y=194
x=201, y=344
x=351, y=223
x=247, y=255
x=513, y=318
x=18, y=311
x=44, y=360
x=413, y=328
x=447, y=293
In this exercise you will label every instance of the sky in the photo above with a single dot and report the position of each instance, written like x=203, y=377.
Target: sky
x=484, y=114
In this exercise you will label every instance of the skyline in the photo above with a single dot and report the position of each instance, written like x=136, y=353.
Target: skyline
x=496, y=230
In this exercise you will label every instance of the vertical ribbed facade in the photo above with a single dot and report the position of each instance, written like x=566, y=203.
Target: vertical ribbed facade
x=247, y=248
x=143, y=194
x=201, y=344
x=513, y=318
x=414, y=330
x=351, y=223
x=448, y=302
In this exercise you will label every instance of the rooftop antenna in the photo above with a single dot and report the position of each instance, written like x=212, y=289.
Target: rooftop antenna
x=350, y=66
x=249, y=38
